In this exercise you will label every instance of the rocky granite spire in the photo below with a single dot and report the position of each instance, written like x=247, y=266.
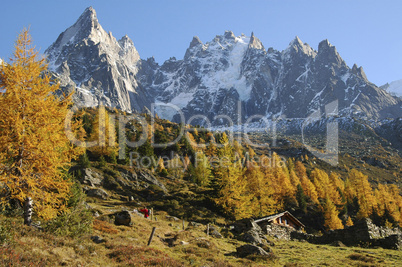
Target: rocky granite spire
x=100, y=68
x=255, y=42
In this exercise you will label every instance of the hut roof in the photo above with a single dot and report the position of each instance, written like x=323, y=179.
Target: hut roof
x=274, y=216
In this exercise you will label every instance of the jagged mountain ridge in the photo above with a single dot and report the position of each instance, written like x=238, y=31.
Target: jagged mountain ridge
x=234, y=77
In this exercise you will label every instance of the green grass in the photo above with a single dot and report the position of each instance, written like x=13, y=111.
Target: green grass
x=126, y=246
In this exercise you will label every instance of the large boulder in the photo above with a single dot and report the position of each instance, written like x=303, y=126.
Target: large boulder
x=252, y=236
x=249, y=231
x=122, y=218
x=248, y=249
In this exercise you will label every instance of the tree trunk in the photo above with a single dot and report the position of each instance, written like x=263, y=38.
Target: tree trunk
x=28, y=205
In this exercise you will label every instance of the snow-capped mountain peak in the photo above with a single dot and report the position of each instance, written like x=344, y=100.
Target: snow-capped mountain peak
x=394, y=88
x=232, y=76
x=87, y=26
x=100, y=68
x=296, y=45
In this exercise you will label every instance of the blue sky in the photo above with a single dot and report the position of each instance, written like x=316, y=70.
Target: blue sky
x=367, y=32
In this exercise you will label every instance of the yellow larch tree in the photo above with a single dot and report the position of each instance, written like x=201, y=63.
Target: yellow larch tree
x=263, y=202
x=325, y=188
x=387, y=198
x=202, y=169
x=349, y=222
x=34, y=149
x=294, y=179
x=282, y=184
x=363, y=192
x=104, y=135
x=232, y=192
x=160, y=166
x=331, y=219
x=307, y=185
x=336, y=181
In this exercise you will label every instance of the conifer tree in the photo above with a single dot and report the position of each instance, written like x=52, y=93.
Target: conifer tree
x=263, y=202
x=325, y=188
x=301, y=198
x=331, y=219
x=34, y=149
x=349, y=222
x=283, y=186
x=232, y=193
x=202, y=170
x=363, y=192
x=307, y=185
x=160, y=166
x=104, y=134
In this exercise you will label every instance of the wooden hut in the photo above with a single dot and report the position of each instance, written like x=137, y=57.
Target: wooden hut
x=285, y=219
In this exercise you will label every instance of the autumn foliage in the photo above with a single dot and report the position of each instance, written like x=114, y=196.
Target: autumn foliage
x=250, y=185
x=34, y=150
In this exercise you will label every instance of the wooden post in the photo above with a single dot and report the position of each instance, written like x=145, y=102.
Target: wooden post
x=152, y=214
x=152, y=235
x=208, y=229
x=183, y=224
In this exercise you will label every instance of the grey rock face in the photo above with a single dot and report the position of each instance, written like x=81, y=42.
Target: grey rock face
x=227, y=79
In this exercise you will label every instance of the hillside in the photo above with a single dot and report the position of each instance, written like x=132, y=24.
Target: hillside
x=113, y=185
x=126, y=246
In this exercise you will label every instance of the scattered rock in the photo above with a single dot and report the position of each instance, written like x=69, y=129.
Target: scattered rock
x=214, y=232
x=87, y=206
x=97, y=239
x=249, y=249
x=203, y=243
x=172, y=218
x=91, y=177
x=184, y=243
x=194, y=224
x=122, y=218
x=337, y=244
x=97, y=192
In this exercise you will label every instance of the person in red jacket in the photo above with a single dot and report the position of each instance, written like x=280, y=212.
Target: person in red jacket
x=145, y=211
